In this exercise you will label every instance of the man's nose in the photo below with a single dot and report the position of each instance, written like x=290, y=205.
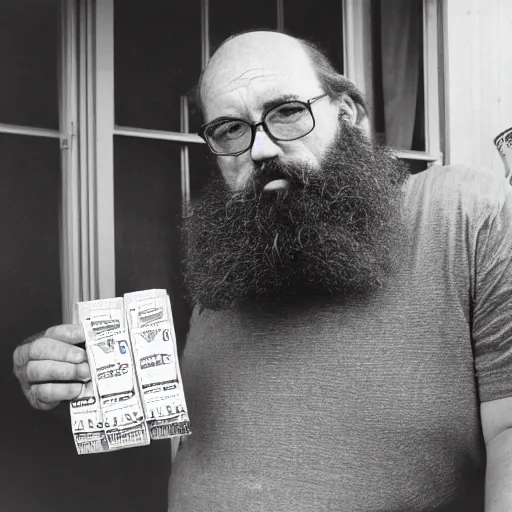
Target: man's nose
x=264, y=148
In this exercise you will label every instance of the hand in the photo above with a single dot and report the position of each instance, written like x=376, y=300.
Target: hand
x=51, y=368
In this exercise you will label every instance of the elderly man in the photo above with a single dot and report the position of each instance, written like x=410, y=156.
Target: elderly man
x=351, y=347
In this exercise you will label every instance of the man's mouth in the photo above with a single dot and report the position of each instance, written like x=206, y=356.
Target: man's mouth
x=278, y=184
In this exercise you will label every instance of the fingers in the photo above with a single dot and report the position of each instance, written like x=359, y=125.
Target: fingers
x=47, y=366
x=68, y=333
x=48, y=395
x=47, y=348
x=20, y=356
x=48, y=371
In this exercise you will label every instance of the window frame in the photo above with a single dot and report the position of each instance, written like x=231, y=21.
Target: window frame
x=357, y=49
x=70, y=211
x=69, y=221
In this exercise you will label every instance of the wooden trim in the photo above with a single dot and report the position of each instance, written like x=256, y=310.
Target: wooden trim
x=184, y=157
x=30, y=131
x=478, y=79
x=70, y=211
x=86, y=137
x=357, y=43
x=418, y=155
x=92, y=261
x=431, y=76
x=83, y=142
x=145, y=133
x=104, y=164
x=357, y=47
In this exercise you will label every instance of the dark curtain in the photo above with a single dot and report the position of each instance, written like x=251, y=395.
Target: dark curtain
x=401, y=45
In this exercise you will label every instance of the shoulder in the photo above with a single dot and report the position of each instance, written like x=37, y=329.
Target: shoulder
x=461, y=179
x=471, y=190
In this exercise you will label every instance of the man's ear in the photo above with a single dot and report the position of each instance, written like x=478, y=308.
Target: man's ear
x=355, y=114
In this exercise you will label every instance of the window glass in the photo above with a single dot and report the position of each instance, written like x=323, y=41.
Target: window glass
x=202, y=166
x=147, y=198
x=157, y=59
x=30, y=188
x=29, y=46
x=318, y=22
x=398, y=91
x=228, y=17
x=416, y=166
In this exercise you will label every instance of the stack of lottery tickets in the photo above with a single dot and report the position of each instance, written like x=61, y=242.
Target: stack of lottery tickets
x=135, y=393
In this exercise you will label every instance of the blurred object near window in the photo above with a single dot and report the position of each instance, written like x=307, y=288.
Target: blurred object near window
x=503, y=143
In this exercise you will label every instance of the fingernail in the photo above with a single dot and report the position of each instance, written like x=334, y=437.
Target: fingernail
x=84, y=372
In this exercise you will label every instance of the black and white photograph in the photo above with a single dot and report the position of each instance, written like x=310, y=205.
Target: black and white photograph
x=256, y=256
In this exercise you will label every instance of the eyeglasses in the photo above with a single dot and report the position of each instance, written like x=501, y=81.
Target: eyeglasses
x=290, y=120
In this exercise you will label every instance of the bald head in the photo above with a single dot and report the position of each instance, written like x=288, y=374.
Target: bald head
x=241, y=56
x=251, y=57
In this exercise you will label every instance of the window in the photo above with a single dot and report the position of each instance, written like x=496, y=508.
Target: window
x=391, y=49
x=133, y=160
x=34, y=168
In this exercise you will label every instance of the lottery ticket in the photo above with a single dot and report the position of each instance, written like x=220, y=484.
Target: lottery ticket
x=151, y=329
x=87, y=422
x=113, y=373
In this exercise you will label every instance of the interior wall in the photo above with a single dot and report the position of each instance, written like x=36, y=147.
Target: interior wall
x=478, y=79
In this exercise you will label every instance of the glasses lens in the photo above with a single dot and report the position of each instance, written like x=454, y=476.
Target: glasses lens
x=289, y=121
x=229, y=136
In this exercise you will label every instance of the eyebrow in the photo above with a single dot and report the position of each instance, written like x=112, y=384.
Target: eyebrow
x=270, y=104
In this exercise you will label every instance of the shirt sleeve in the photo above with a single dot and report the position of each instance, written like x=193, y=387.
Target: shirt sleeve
x=492, y=297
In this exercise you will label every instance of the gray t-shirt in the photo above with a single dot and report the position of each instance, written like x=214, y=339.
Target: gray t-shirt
x=362, y=405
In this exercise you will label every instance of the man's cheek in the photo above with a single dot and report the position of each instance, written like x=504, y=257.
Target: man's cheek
x=229, y=169
x=238, y=177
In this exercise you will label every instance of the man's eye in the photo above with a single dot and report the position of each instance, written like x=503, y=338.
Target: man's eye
x=289, y=112
x=229, y=130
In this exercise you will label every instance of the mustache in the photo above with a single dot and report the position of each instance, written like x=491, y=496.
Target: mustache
x=330, y=186
x=275, y=169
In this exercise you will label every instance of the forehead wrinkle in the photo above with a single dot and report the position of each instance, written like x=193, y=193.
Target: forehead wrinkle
x=243, y=70
x=239, y=86
x=243, y=80
x=252, y=74
x=254, y=48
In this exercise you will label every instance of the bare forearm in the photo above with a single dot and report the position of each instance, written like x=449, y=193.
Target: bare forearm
x=498, y=480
